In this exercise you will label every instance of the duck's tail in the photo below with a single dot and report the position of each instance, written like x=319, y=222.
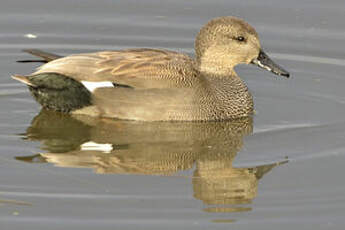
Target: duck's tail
x=47, y=57
x=23, y=79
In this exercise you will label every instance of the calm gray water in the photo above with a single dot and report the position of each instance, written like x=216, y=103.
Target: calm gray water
x=281, y=170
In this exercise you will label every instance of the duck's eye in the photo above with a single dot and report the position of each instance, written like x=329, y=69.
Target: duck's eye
x=240, y=39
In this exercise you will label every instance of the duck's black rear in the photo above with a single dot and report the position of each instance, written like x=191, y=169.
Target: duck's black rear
x=58, y=92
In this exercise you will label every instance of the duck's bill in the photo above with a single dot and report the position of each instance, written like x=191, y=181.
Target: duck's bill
x=263, y=61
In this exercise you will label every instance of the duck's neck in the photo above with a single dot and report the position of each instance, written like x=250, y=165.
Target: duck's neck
x=214, y=67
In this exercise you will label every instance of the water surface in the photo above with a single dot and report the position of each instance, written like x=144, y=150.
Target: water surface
x=282, y=169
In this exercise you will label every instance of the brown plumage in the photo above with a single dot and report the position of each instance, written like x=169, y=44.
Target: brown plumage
x=152, y=84
x=139, y=68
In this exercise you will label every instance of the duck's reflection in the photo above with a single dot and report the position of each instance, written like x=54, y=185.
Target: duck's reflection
x=157, y=148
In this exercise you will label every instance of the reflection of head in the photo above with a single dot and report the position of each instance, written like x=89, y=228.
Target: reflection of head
x=216, y=182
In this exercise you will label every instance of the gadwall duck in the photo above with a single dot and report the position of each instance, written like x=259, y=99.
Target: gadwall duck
x=152, y=84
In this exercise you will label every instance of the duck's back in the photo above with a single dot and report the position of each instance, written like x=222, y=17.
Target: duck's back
x=137, y=68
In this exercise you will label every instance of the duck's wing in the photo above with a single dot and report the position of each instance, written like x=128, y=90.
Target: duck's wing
x=138, y=68
x=46, y=57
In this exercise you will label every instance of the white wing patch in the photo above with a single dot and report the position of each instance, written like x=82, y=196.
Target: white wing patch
x=93, y=146
x=93, y=85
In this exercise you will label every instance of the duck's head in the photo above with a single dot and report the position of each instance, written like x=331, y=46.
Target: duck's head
x=227, y=41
